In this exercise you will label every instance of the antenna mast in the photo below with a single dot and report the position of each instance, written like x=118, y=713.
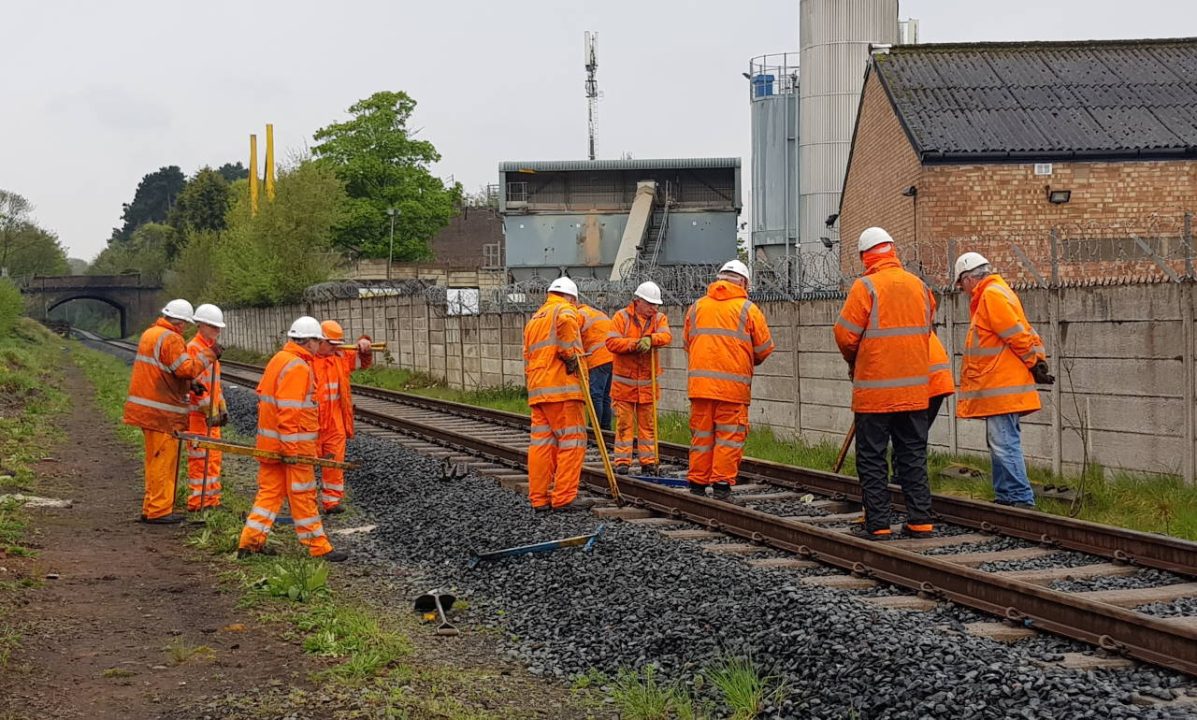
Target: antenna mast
x=592, y=93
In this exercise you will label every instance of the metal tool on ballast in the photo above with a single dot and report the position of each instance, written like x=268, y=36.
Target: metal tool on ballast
x=586, y=541
x=440, y=602
x=205, y=442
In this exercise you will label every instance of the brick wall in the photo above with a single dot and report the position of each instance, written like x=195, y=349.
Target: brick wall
x=460, y=242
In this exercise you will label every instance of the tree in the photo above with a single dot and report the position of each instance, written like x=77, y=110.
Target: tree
x=202, y=204
x=232, y=172
x=77, y=266
x=155, y=196
x=14, y=214
x=145, y=253
x=25, y=248
x=383, y=167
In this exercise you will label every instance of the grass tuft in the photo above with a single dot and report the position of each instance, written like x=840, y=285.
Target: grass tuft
x=743, y=687
x=640, y=696
x=344, y=631
x=300, y=579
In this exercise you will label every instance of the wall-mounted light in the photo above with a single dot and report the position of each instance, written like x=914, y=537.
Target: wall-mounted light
x=827, y=242
x=910, y=191
x=831, y=219
x=1058, y=197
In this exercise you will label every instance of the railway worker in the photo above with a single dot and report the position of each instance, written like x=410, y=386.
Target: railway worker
x=332, y=366
x=209, y=413
x=289, y=424
x=558, y=439
x=163, y=372
x=638, y=330
x=361, y=356
x=726, y=337
x=884, y=332
x=595, y=329
x=1004, y=359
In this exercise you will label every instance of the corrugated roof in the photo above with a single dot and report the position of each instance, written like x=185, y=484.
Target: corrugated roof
x=1048, y=100
x=665, y=164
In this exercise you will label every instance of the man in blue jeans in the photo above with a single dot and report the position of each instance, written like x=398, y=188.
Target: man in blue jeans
x=596, y=328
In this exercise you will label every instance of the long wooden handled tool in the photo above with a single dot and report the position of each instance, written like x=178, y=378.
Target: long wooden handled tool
x=839, y=459
x=652, y=370
x=203, y=441
x=353, y=346
x=584, y=378
x=208, y=428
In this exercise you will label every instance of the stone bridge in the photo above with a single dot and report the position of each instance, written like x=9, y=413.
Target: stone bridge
x=137, y=303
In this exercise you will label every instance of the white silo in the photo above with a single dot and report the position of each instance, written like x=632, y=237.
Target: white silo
x=773, y=94
x=834, y=39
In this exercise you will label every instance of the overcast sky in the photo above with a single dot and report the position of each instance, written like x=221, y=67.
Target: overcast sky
x=97, y=94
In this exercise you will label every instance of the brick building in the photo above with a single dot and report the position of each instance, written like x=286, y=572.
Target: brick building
x=1084, y=153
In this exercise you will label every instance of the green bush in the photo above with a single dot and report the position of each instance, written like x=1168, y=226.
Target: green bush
x=12, y=306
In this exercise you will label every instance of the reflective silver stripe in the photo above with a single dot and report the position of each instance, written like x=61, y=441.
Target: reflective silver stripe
x=157, y=351
x=308, y=534
x=331, y=398
x=722, y=332
x=1039, y=349
x=702, y=448
x=849, y=326
x=259, y=510
x=541, y=428
x=539, y=442
x=873, y=319
x=299, y=522
x=624, y=455
x=334, y=486
x=566, y=444
x=151, y=361
x=623, y=379
x=287, y=437
x=716, y=375
x=1016, y=329
x=911, y=381
x=983, y=351
x=262, y=527
x=874, y=332
x=696, y=434
x=542, y=345
x=743, y=324
x=993, y=392
x=590, y=350
x=737, y=444
x=613, y=334
x=332, y=386
x=178, y=361
x=270, y=400
x=729, y=428
x=303, y=487
x=180, y=409
x=554, y=390
x=570, y=430
x=763, y=347
x=937, y=367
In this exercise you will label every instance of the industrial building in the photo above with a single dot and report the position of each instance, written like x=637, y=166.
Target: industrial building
x=603, y=219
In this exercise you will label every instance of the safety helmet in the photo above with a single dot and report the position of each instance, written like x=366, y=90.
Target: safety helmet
x=737, y=267
x=650, y=292
x=333, y=332
x=565, y=286
x=969, y=261
x=305, y=328
x=209, y=314
x=178, y=309
x=872, y=237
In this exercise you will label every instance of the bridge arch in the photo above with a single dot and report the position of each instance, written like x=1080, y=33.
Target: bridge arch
x=137, y=301
x=120, y=309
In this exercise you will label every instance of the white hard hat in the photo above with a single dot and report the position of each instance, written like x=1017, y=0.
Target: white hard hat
x=872, y=237
x=969, y=261
x=306, y=328
x=178, y=309
x=564, y=285
x=209, y=314
x=650, y=292
x=737, y=267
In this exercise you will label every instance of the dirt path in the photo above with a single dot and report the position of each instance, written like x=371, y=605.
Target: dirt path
x=95, y=640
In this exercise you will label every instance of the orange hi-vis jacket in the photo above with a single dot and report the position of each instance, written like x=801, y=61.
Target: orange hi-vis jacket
x=161, y=379
x=212, y=402
x=940, y=382
x=999, y=351
x=288, y=419
x=883, y=332
x=595, y=329
x=333, y=392
x=551, y=335
x=726, y=336
x=631, y=375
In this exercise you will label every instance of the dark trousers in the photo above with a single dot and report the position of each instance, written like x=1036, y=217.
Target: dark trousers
x=600, y=393
x=908, y=433
x=933, y=410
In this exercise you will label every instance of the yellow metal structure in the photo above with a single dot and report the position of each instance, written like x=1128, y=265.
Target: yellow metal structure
x=373, y=346
x=268, y=173
x=203, y=442
x=253, y=174
x=612, y=483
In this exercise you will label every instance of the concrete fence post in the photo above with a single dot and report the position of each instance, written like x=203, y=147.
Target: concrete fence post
x=1189, y=461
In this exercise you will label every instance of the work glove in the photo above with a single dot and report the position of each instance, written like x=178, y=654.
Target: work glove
x=287, y=459
x=1041, y=375
x=644, y=345
x=219, y=420
x=571, y=364
x=217, y=350
x=363, y=345
x=198, y=389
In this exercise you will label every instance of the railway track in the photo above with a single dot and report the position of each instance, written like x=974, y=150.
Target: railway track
x=956, y=566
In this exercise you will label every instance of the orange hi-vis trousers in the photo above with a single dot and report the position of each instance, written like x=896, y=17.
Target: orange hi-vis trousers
x=718, y=431
x=634, y=426
x=556, y=452
x=297, y=485
x=197, y=468
x=332, y=480
x=161, y=473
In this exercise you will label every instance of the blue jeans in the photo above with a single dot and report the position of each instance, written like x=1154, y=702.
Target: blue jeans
x=600, y=393
x=1004, y=437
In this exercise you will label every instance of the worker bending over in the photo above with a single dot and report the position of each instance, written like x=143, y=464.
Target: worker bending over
x=884, y=333
x=595, y=329
x=332, y=366
x=638, y=330
x=558, y=437
x=289, y=424
x=726, y=337
x=157, y=402
x=1004, y=359
x=208, y=410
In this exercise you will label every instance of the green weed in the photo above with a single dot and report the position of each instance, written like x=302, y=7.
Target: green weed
x=115, y=672
x=640, y=696
x=742, y=685
x=296, y=578
x=342, y=631
x=180, y=651
x=220, y=532
x=10, y=640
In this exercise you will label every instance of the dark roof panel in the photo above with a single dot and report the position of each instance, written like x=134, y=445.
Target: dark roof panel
x=1085, y=99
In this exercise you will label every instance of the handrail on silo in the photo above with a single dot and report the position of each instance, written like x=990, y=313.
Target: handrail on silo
x=772, y=75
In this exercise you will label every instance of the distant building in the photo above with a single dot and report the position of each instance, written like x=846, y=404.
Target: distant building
x=996, y=146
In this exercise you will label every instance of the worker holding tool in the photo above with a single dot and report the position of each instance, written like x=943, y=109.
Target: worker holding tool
x=595, y=329
x=638, y=331
x=884, y=333
x=163, y=373
x=726, y=337
x=361, y=356
x=332, y=367
x=1004, y=359
x=289, y=424
x=552, y=346
x=208, y=410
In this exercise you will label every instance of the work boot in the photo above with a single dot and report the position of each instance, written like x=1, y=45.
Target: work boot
x=650, y=470
x=266, y=550
x=334, y=510
x=875, y=535
x=918, y=530
x=335, y=556
x=579, y=504
x=541, y=509
x=697, y=489
x=172, y=519
x=622, y=470
x=721, y=491
x=1024, y=505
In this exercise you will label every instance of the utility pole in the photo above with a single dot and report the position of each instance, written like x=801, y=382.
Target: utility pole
x=592, y=92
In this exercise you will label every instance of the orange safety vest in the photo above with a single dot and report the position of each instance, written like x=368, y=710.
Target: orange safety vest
x=631, y=377
x=333, y=393
x=596, y=328
x=212, y=402
x=726, y=337
x=999, y=351
x=288, y=419
x=883, y=332
x=941, y=382
x=161, y=380
x=551, y=335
